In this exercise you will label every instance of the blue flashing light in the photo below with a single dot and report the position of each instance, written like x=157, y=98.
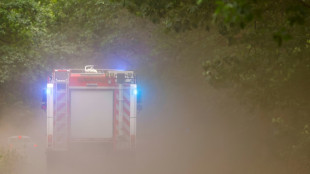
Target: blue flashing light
x=48, y=91
x=135, y=92
x=120, y=70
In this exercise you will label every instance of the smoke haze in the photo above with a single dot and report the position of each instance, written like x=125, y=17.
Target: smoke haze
x=185, y=125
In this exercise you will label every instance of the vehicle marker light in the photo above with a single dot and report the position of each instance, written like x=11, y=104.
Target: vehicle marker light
x=35, y=145
x=19, y=137
x=50, y=85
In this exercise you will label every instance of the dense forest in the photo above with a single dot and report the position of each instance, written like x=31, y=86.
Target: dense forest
x=257, y=50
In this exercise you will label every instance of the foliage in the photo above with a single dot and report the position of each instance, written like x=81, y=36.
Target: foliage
x=36, y=36
x=23, y=33
x=266, y=74
x=23, y=26
x=176, y=15
x=267, y=61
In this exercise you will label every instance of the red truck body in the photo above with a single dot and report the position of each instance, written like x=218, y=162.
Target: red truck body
x=91, y=106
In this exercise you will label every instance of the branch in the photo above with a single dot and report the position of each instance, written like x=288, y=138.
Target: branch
x=304, y=3
x=5, y=41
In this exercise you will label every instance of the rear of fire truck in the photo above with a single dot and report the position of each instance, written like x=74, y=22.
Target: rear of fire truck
x=90, y=110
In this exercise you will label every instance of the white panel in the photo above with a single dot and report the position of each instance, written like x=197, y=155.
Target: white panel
x=133, y=108
x=49, y=109
x=91, y=114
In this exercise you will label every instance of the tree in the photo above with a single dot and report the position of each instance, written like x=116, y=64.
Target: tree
x=269, y=64
x=23, y=25
x=266, y=63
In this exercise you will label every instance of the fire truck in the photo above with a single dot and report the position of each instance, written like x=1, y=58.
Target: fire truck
x=91, y=106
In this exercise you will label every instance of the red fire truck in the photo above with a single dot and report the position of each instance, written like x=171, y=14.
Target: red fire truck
x=91, y=106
